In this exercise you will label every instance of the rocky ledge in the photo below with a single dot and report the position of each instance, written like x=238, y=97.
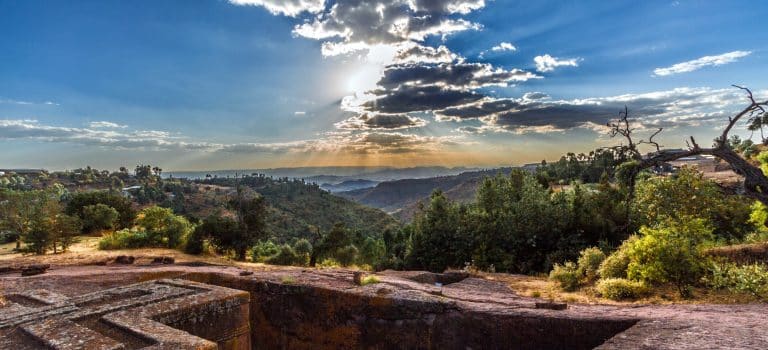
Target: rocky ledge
x=297, y=308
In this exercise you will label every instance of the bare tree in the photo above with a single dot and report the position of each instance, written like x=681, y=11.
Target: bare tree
x=755, y=182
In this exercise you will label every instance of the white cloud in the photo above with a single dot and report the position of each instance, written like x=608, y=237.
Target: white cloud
x=692, y=65
x=300, y=113
x=504, y=46
x=106, y=125
x=27, y=103
x=547, y=63
x=290, y=8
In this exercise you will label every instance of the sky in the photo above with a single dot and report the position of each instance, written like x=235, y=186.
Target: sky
x=244, y=84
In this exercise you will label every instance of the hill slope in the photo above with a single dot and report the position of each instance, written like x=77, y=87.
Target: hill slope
x=401, y=197
x=295, y=205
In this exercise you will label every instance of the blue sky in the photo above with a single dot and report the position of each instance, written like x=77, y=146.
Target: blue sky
x=264, y=83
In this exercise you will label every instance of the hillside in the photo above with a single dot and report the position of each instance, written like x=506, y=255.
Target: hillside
x=401, y=197
x=348, y=185
x=294, y=206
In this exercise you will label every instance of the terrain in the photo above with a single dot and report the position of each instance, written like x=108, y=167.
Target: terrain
x=401, y=197
x=325, y=308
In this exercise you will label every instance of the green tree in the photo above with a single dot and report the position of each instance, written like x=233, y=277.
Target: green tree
x=688, y=194
x=440, y=235
x=80, y=200
x=163, y=227
x=98, y=217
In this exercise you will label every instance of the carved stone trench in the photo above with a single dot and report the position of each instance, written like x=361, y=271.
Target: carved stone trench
x=204, y=310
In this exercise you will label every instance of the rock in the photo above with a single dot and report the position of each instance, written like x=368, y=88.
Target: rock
x=7, y=269
x=124, y=259
x=246, y=273
x=357, y=277
x=32, y=270
x=163, y=260
x=552, y=306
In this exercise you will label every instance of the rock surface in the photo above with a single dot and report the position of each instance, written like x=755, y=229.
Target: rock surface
x=324, y=309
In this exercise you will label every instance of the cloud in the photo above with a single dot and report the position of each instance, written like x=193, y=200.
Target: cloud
x=415, y=53
x=535, y=96
x=690, y=66
x=425, y=87
x=300, y=113
x=547, y=63
x=681, y=107
x=354, y=25
x=27, y=103
x=504, y=46
x=373, y=121
x=290, y=8
x=373, y=138
x=105, y=125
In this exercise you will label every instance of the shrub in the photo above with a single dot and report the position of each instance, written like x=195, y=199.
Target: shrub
x=303, y=250
x=670, y=252
x=125, y=238
x=589, y=263
x=620, y=288
x=194, y=242
x=566, y=275
x=370, y=279
x=99, y=217
x=285, y=256
x=751, y=279
x=328, y=263
x=263, y=250
x=347, y=255
x=616, y=264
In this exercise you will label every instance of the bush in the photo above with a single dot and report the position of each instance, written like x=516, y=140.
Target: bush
x=194, y=242
x=347, y=255
x=125, y=239
x=566, y=275
x=285, y=256
x=369, y=280
x=303, y=250
x=670, y=252
x=751, y=279
x=263, y=250
x=620, y=288
x=616, y=264
x=589, y=263
x=99, y=217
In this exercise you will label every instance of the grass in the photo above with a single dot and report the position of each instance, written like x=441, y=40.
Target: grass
x=369, y=280
x=541, y=287
x=288, y=280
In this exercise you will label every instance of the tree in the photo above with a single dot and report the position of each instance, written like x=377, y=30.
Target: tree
x=755, y=183
x=440, y=235
x=688, y=194
x=19, y=209
x=251, y=214
x=98, y=217
x=80, y=200
x=65, y=229
x=163, y=227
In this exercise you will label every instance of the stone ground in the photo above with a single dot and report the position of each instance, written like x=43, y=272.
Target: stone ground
x=700, y=326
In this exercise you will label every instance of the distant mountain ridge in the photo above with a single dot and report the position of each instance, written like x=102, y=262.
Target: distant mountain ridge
x=400, y=197
x=348, y=185
x=331, y=175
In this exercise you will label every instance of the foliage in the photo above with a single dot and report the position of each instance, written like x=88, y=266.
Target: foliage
x=620, y=288
x=370, y=279
x=751, y=279
x=589, y=263
x=163, y=227
x=78, y=201
x=688, y=194
x=440, y=236
x=347, y=255
x=285, y=256
x=263, y=250
x=99, y=217
x=616, y=264
x=670, y=252
x=566, y=275
x=194, y=242
x=125, y=239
